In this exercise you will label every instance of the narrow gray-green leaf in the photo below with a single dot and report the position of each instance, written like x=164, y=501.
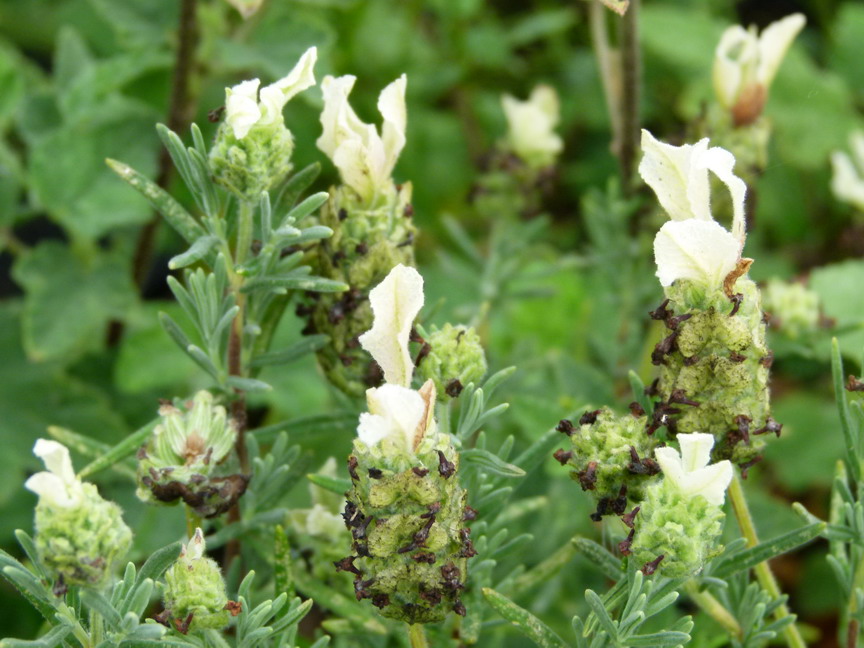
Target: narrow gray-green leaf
x=297, y=350
x=332, y=484
x=769, y=549
x=491, y=463
x=197, y=251
x=172, y=211
x=125, y=448
x=291, y=282
x=599, y=557
x=527, y=623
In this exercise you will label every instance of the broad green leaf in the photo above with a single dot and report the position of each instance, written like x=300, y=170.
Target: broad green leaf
x=69, y=301
x=88, y=201
x=839, y=288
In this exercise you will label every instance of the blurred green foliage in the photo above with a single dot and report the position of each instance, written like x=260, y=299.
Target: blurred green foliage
x=82, y=80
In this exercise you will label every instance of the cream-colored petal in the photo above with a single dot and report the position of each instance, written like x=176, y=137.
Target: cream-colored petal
x=530, y=127
x=396, y=301
x=694, y=249
x=545, y=99
x=391, y=105
x=355, y=168
x=736, y=53
x=56, y=458
x=670, y=463
x=846, y=181
x=680, y=184
x=242, y=111
x=338, y=119
x=276, y=95
x=695, y=450
x=721, y=162
x=395, y=412
x=194, y=549
x=52, y=490
x=774, y=42
x=372, y=429
x=710, y=482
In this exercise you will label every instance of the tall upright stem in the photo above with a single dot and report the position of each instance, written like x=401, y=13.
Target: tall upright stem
x=608, y=67
x=631, y=94
x=763, y=571
x=178, y=117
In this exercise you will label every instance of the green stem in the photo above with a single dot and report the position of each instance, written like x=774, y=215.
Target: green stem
x=193, y=521
x=416, y=636
x=609, y=76
x=763, y=571
x=853, y=629
x=96, y=628
x=713, y=608
x=631, y=93
x=244, y=232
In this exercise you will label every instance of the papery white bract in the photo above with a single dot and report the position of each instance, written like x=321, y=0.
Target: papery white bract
x=395, y=412
x=243, y=109
x=679, y=177
x=689, y=471
x=58, y=486
x=364, y=158
x=695, y=249
x=847, y=181
x=745, y=64
x=395, y=303
x=531, y=126
x=194, y=549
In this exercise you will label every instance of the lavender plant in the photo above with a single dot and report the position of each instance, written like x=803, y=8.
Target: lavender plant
x=332, y=444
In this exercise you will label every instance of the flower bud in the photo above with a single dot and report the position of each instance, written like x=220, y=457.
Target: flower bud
x=531, y=127
x=194, y=596
x=187, y=458
x=794, y=308
x=252, y=151
x=611, y=457
x=80, y=537
x=455, y=359
x=681, y=516
x=714, y=366
x=405, y=510
x=745, y=65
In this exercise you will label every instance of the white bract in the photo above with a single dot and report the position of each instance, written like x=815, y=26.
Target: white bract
x=58, y=487
x=396, y=412
x=395, y=303
x=364, y=158
x=194, y=549
x=745, y=64
x=689, y=471
x=693, y=245
x=847, y=181
x=531, y=126
x=245, y=107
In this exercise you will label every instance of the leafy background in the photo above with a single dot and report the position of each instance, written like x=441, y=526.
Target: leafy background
x=80, y=344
